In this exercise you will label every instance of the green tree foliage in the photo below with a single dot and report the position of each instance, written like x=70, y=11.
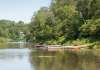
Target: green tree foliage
x=10, y=29
x=66, y=20
x=42, y=25
x=89, y=8
x=91, y=29
x=60, y=20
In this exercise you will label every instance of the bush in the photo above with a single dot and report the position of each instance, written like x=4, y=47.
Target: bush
x=77, y=42
x=51, y=42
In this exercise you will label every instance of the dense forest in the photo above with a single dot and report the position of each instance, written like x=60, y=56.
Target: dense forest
x=13, y=31
x=69, y=22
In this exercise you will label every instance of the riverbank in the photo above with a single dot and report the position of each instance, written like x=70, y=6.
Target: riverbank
x=91, y=44
x=88, y=43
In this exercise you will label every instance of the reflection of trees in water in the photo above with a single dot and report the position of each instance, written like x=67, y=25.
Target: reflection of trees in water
x=18, y=45
x=63, y=61
x=87, y=60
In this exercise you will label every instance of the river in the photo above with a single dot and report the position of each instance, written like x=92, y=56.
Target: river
x=19, y=57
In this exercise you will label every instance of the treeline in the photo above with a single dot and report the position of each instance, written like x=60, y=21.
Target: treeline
x=12, y=30
x=66, y=20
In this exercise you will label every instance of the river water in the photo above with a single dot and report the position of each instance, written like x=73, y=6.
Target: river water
x=22, y=58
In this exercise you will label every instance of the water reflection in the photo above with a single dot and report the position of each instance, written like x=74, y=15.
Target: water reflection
x=15, y=59
x=31, y=59
x=18, y=45
x=64, y=61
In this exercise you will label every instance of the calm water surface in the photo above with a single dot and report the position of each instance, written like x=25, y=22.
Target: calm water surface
x=30, y=59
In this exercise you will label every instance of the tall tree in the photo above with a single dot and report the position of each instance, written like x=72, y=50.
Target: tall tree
x=89, y=8
x=42, y=25
x=66, y=17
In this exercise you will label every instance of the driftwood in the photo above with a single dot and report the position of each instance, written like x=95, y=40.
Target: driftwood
x=61, y=48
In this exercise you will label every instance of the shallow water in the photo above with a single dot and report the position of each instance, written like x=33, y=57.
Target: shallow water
x=30, y=59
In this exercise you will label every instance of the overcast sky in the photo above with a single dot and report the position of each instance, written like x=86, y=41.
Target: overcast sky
x=20, y=9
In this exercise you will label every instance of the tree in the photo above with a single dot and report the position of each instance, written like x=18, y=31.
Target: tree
x=67, y=18
x=89, y=8
x=91, y=29
x=42, y=25
x=60, y=20
x=11, y=29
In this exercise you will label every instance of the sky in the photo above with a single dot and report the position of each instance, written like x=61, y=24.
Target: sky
x=17, y=10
